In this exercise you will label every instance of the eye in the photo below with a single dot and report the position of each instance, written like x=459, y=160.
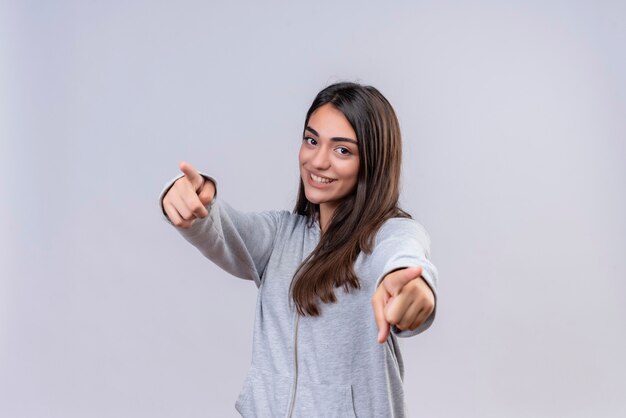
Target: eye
x=343, y=151
x=310, y=140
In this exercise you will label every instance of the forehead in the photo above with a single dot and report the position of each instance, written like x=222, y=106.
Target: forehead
x=329, y=121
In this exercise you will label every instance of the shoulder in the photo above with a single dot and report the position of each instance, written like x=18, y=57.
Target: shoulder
x=255, y=222
x=277, y=215
x=402, y=231
x=286, y=216
x=296, y=222
x=288, y=221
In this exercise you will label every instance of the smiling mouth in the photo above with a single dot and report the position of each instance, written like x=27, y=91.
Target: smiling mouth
x=321, y=180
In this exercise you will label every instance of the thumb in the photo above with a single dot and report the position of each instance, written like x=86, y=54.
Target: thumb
x=192, y=175
x=395, y=281
x=207, y=192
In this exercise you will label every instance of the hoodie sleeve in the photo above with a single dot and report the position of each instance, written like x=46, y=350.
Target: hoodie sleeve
x=402, y=243
x=239, y=243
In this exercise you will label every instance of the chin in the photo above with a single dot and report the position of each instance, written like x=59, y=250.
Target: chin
x=313, y=199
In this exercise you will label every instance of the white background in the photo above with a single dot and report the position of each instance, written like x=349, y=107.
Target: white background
x=514, y=121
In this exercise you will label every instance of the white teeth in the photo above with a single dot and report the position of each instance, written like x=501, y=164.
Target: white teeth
x=320, y=179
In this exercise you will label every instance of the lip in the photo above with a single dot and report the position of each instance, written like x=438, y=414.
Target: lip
x=313, y=183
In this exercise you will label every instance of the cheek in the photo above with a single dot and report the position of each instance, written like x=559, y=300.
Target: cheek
x=302, y=155
x=350, y=173
x=355, y=178
x=354, y=170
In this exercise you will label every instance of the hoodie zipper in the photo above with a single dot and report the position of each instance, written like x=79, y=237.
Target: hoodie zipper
x=295, y=361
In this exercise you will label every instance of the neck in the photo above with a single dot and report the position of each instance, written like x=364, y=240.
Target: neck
x=326, y=213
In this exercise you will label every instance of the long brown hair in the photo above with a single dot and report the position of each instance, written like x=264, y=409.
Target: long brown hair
x=359, y=215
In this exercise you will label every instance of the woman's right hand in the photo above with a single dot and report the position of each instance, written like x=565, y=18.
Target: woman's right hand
x=188, y=197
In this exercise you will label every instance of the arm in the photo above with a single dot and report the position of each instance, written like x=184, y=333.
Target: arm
x=406, y=280
x=239, y=243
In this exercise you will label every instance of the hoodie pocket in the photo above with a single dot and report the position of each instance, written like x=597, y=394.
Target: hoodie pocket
x=264, y=394
x=315, y=400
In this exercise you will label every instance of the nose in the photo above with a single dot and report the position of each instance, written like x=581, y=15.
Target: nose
x=320, y=159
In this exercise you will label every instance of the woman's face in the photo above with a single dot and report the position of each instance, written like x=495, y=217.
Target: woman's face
x=329, y=158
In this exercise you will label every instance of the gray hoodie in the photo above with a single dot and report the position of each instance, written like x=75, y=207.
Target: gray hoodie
x=325, y=366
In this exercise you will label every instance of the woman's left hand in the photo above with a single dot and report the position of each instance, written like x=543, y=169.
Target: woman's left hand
x=402, y=299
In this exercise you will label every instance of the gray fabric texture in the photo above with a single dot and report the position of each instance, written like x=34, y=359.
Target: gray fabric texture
x=325, y=366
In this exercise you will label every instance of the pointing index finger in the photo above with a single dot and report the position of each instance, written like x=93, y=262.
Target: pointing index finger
x=192, y=175
x=378, y=305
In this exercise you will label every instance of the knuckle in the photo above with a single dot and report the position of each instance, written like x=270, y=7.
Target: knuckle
x=196, y=207
x=427, y=303
x=392, y=318
x=186, y=214
x=430, y=305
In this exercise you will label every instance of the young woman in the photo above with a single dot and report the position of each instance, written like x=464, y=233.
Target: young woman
x=339, y=279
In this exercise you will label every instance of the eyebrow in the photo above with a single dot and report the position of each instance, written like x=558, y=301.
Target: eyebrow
x=334, y=138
